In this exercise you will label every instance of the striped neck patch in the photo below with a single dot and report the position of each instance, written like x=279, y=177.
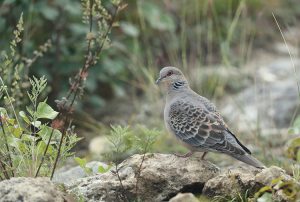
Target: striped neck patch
x=178, y=84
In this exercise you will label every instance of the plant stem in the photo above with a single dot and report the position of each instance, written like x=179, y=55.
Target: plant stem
x=4, y=171
x=89, y=61
x=75, y=87
x=290, y=54
x=77, y=84
x=140, y=169
x=79, y=78
x=138, y=174
x=7, y=147
x=10, y=102
x=120, y=180
x=44, y=154
x=63, y=134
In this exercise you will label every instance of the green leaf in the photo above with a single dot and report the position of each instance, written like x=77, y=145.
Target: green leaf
x=45, y=111
x=25, y=118
x=276, y=181
x=17, y=144
x=29, y=111
x=81, y=162
x=102, y=170
x=2, y=111
x=36, y=124
x=11, y=121
x=262, y=191
x=45, y=133
x=41, y=146
x=17, y=131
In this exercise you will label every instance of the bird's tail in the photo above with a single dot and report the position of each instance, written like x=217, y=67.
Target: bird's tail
x=248, y=159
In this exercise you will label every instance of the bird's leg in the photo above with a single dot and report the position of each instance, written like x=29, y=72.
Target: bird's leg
x=203, y=155
x=184, y=155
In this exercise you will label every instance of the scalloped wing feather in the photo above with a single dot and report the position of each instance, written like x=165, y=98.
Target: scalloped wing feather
x=203, y=129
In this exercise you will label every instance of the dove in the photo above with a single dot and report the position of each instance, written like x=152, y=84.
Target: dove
x=196, y=122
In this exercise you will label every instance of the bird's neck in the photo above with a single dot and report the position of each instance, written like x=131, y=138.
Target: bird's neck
x=177, y=87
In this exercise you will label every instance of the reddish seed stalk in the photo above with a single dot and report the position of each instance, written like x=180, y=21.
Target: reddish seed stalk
x=64, y=111
x=44, y=154
x=63, y=134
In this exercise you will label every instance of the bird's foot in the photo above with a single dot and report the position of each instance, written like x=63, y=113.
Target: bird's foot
x=184, y=155
x=203, y=155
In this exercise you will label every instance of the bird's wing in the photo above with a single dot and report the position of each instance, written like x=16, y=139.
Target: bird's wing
x=201, y=128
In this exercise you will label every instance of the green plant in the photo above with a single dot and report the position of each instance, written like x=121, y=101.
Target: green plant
x=47, y=145
x=96, y=41
x=240, y=197
x=24, y=134
x=83, y=164
x=293, y=149
x=126, y=141
x=296, y=172
x=143, y=143
x=121, y=143
x=23, y=144
x=137, y=140
x=289, y=188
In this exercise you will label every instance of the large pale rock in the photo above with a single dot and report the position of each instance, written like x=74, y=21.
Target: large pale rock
x=266, y=176
x=30, y=189
x=232, y=182
x=162, y=177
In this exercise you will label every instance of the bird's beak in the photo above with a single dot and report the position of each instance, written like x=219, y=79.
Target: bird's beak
x=158, y=80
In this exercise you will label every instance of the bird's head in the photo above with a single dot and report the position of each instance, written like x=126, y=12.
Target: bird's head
x=171, y=77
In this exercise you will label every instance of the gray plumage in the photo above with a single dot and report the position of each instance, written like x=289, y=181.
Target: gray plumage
x=195, y=121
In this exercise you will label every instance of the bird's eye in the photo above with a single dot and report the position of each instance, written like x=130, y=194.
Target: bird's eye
x=169, y=73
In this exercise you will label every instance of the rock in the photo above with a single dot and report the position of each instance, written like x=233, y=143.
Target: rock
x=30, y=189
x=162, y=177
x=70, y=175
x=266, y=176
x=232, y=182
x=185, y=197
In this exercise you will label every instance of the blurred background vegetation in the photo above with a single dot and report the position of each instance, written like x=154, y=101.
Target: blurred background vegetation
x=202, y=37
